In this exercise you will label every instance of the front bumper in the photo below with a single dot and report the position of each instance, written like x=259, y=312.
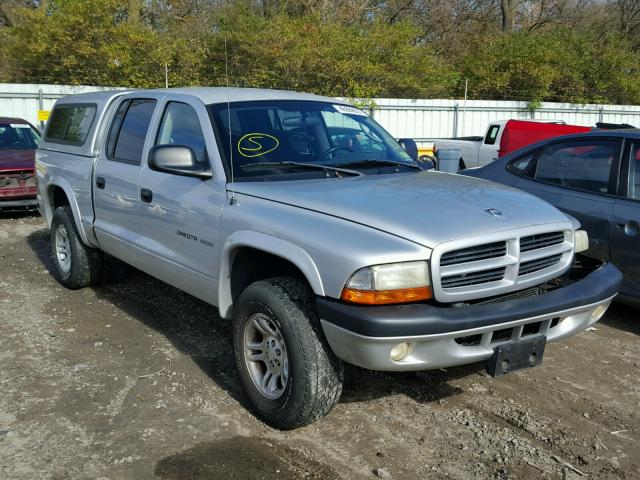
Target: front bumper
x=444, y=337
x=22, y=202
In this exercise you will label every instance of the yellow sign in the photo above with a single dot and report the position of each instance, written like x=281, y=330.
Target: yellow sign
x=43, y=115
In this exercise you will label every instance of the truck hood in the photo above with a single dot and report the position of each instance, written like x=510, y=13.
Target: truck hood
x=427, y=208
x=16, y=159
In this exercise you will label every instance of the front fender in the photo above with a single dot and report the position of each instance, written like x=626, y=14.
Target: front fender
x=267, y=243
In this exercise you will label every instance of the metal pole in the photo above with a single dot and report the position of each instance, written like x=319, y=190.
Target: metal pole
x=41, y=106
x=166, y=75
x=455, y=120
x=601, y=114
x=464, y=104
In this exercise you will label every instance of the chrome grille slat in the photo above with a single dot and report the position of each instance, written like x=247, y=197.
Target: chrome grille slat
x=545, y=252
x=475, y=278
x=480, y=265
x=472, y=254
x=538, y=264
x=541, y=240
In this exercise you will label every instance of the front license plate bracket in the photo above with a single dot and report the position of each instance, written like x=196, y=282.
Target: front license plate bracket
x=511, y=356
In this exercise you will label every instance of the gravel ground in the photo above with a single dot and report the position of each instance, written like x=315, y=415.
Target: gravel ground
x=135, y=380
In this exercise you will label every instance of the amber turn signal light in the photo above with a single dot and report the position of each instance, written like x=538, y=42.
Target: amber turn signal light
x=386, y=297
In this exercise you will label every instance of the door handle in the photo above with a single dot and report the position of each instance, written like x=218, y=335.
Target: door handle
x=631, y=228
x=100, y=182
x=146, y=195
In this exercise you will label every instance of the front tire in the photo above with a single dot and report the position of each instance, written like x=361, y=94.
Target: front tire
x=287, y=370
x=76, y=264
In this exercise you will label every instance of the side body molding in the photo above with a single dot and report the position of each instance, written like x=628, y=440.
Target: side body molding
x=267, y=243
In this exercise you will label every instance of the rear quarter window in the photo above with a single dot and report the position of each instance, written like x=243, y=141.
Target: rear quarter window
x=70, y=124
x=492, y=134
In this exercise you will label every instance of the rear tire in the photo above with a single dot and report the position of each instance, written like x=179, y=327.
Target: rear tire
x=287, y=370
x=76, y=264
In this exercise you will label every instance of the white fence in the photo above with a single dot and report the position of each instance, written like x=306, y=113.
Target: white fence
x=419, y=119
x=423, y=119
x=24, y=100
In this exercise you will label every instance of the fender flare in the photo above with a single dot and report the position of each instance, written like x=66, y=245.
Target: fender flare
x=60, y=182
x=269, y=244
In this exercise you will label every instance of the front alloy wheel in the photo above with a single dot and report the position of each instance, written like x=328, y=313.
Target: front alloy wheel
x=288, y=372
x=265, y=354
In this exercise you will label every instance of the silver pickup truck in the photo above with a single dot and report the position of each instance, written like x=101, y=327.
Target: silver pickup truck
x=315, y=233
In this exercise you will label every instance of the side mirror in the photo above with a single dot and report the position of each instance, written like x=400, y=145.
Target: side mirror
x=410, y=146
x=425, y=162
x=178, y=160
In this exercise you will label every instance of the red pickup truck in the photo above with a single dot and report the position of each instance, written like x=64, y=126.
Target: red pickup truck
x=18, y=142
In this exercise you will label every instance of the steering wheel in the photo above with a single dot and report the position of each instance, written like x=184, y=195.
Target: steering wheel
x=328, y=152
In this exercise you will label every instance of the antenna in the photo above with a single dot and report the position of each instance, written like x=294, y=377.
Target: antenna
x=232, y=201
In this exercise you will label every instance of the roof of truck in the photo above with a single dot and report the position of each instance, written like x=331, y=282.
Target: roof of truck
x=209, y=95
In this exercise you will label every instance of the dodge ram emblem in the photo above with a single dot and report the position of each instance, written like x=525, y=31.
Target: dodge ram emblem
x=493, y=212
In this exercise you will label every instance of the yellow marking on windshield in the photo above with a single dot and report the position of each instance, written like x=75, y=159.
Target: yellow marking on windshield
x=257, y=144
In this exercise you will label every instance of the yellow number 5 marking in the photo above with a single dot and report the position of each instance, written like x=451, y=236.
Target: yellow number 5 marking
x=256, y=144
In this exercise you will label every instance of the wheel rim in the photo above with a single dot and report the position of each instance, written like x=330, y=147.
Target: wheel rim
x=63, y=249
x=265, y=355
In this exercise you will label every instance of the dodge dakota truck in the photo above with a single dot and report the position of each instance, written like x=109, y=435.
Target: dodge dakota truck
x=315, y=234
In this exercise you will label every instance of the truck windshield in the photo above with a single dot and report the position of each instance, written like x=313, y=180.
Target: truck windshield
x=268, y=139
x=19, y=136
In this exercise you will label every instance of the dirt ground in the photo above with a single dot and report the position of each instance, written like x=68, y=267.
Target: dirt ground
x=135, y=380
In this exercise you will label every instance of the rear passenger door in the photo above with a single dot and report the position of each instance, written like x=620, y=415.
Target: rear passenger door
x=116, y=177
x=625, y=234
x=579, y=177
x=180, y=215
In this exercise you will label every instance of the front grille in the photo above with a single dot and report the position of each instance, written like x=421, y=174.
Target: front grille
x=464, y=271
x=475, y=253
x=541, y=240
x=538, y=264
x=474, y=278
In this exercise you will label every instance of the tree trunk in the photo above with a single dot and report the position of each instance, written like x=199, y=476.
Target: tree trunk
x=5, y=13
x=133, y=13
x=508, y=8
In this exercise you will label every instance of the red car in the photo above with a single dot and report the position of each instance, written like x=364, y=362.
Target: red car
x=18, y=142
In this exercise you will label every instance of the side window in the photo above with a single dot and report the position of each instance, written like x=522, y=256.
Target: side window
x=634, y=173
x=180, y=126
x=582, y=165
x=70, y=124
x=492, y=134
x=129, y=130
x=522, y=165
x=115, y=127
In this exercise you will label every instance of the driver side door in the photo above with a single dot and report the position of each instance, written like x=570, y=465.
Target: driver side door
x=180, y=215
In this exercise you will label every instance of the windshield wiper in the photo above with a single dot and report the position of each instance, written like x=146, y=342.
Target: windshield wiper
x=288, y=164
x=373, y=163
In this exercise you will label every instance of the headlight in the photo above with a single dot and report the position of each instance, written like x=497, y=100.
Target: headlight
x=391, y=283
x=581, y=240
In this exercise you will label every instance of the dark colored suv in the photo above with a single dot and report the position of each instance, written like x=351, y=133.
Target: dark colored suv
x=18, y=142
x=595, y=177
